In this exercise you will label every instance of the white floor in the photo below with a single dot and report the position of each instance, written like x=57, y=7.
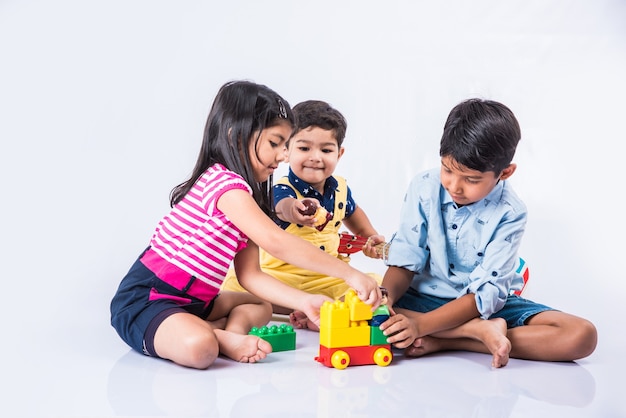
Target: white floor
x=101, y=377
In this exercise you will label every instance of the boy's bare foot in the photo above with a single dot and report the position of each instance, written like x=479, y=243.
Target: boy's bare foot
x=422, y=346
x=493, y=335
x=242, y=348
x=300, y=321
x=490, y=333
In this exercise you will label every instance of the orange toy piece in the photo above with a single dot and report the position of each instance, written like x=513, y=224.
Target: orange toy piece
x=346, y=336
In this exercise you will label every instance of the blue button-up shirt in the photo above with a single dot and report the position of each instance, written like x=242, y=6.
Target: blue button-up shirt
x=458, y=250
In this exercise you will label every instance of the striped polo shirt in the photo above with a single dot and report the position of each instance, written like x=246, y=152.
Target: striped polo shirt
x=195, y=237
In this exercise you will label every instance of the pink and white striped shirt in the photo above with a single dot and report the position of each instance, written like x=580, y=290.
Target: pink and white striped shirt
x=195, y=238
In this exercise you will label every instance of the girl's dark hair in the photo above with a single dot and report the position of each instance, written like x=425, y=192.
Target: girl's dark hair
x=240, y=111
x=481, y=135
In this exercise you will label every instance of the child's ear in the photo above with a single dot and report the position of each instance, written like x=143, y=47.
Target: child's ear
x=508, y=172
x=341, y=151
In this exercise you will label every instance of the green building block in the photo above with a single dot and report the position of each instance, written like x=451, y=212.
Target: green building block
x=282, y=338
x=377, y=337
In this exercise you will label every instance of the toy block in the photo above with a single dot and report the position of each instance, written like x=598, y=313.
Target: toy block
x=340, y=358
x=359, y=310
x=334, y=315
x=353, y=334
x=377, y=337
x=282, y=338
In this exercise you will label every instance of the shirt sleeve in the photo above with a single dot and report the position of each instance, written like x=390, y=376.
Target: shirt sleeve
x=491, y=280
x=282, y=191
x=408, y=247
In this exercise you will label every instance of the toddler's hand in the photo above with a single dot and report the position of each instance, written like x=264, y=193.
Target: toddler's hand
x=400, y=330
x=303, y=212
x=372, y=248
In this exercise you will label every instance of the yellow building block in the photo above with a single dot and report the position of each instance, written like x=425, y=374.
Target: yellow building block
x=355, y=335
x=334, y=315
x=359, y=310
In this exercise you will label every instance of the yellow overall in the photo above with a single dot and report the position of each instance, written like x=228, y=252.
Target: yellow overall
x=327, y=239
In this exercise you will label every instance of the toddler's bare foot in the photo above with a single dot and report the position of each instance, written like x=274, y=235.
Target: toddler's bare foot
x=422, y=346
x=300, y=321
x=242, y=348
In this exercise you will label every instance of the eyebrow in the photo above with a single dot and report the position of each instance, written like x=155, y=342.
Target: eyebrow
x=324, y=144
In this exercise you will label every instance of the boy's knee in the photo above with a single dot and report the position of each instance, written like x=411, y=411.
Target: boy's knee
x=588, y=338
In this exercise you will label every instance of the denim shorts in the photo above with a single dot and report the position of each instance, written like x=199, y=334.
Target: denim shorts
x=516, y=310
x=136, y=318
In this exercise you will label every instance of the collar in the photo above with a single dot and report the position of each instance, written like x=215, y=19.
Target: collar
x=307, y=190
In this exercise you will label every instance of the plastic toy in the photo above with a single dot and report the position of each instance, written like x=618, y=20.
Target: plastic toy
x=282, y=338
x=523, y=270
x=350, y=244
x=349, y=335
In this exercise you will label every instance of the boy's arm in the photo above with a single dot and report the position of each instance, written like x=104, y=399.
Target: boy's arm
x=289, y=210
x=359, y=224
x=397, y=281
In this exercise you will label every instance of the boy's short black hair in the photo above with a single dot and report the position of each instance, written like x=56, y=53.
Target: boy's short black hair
x=316, y=113
x=481, y=135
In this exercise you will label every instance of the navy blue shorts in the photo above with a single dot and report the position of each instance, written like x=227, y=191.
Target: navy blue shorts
x=516, y=310
x=136, y=318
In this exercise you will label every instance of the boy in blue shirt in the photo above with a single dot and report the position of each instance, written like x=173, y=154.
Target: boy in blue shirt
x=452, y=263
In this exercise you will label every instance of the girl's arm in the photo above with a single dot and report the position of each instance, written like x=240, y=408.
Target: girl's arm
x=244, y=212
x=259, y=283
x=359, y=224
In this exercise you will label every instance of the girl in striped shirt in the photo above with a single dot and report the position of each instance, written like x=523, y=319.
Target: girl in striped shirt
x=169, y=304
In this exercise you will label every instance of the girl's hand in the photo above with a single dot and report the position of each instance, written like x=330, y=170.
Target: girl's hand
x=312, y=306
x=400, y=330
x=366, y=289
x=370, y=249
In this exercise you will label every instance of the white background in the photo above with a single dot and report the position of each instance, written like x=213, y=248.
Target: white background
x=103, y=104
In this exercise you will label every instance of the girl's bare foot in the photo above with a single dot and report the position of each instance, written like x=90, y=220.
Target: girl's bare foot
x=242, y=348
x=219, y=323
x=300, y=321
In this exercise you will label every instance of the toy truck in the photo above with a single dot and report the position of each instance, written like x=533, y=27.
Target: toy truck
x=349, y=334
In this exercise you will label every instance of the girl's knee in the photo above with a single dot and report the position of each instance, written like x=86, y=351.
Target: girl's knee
x=201, y=350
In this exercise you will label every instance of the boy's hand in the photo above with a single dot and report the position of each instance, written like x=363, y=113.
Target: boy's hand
x=400, y=331
x=303, y=211
x=372, y=247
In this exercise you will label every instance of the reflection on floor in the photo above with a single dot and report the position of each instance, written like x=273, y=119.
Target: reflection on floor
x=291, y=383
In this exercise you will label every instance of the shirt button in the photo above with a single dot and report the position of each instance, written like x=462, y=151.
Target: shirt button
x=494, y=273
x=480, y=254
x=451, y=265
x=340, y=205
x=322, y=248
x=454, y=226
